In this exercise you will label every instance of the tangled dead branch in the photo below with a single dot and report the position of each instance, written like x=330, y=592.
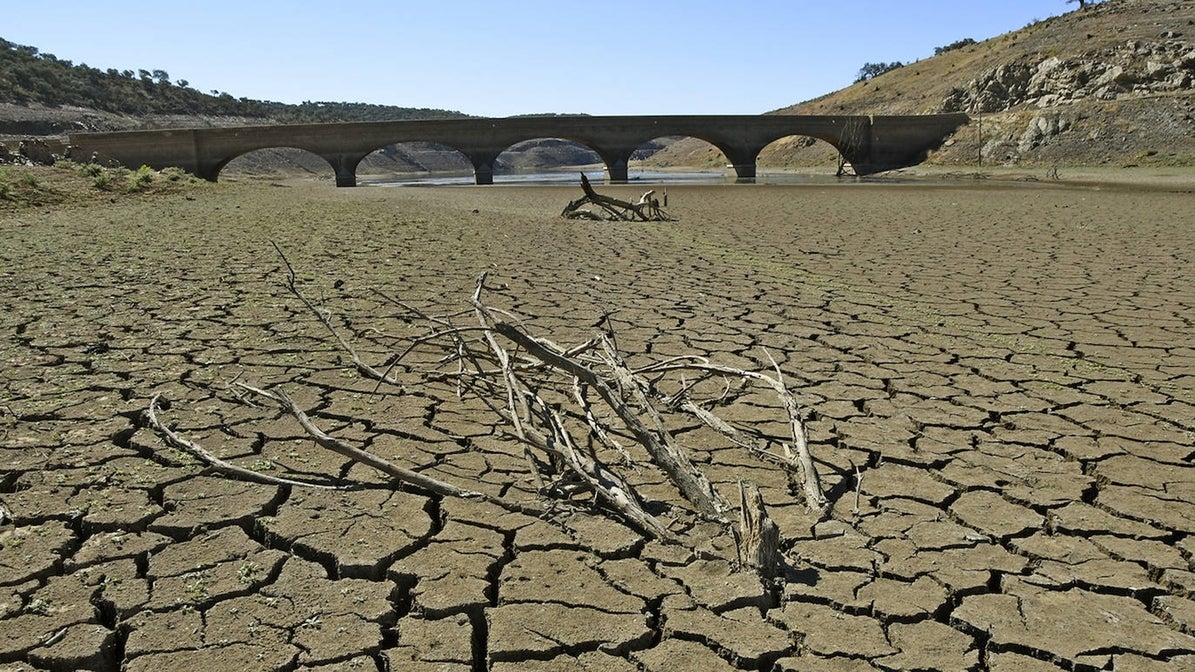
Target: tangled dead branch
x=566, y=408
x=647, y=209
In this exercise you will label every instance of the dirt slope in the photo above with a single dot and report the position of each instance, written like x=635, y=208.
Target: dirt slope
x=1109, y=84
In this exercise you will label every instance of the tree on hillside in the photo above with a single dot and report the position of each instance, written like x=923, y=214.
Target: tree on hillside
x=870, y=70
x=1082, y=3
x=28, y=76
x=965, y=42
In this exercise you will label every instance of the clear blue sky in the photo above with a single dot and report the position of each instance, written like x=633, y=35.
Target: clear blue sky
x=505, y=57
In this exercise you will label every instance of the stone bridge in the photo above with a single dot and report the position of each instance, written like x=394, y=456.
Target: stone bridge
x=870, y=143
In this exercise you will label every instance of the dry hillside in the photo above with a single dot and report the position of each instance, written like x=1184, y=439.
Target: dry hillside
x=1108, y=84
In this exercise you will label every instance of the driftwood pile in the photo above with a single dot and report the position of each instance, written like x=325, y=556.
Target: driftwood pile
x=647, y=209
x=575, y=412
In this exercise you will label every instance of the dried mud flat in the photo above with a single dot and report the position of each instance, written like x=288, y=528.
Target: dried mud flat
x=1011, y=369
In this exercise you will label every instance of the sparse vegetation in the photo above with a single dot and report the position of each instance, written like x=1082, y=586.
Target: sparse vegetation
x=965, y=42
x=871, y=70
x=38, y=606
x=248, y=572
x=29, y=76
x=141, y=178
x=67, y=182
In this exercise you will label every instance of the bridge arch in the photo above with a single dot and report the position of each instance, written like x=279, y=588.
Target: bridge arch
x=791, y=152
x=259, y=160
x=540, y=153
x=405, y=159
x=618, y=155
x=736, y=153
x=275, y=161
x=685, y=151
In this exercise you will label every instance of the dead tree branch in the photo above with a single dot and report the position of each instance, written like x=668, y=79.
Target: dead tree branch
x=193, y=449
x=647, y=209
x=692, y=483
x=797, y=457
x=287, y=405
x=362, y=368
x=567, y=408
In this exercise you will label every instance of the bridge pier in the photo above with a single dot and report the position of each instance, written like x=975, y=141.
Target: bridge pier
x=616, y=160
x=744, y=172
x=208, y=170
x=742, y=156
x=483, y=163
x=345, y=166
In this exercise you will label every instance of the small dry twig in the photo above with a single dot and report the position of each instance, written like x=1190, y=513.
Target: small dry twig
x=363, y=368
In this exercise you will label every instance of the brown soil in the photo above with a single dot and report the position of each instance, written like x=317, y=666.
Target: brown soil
x=1009, y=366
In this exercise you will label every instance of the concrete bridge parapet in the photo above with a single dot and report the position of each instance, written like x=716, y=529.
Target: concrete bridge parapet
x=871, y=143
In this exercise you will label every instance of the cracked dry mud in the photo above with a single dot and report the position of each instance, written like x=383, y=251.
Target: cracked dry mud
x=1010, y=368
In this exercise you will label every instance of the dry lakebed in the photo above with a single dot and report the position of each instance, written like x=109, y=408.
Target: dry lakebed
x=997, y=379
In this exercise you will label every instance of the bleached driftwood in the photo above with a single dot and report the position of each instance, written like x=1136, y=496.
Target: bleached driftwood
x=647, y=209
x=565, y=406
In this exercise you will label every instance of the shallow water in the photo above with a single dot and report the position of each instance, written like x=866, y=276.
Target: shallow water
x=635, y=177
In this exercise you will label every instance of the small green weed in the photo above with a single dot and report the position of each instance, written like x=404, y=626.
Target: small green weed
x=140, y=179
x=91, y=170
x=248, y=571
x=102, y=180
x=38, y=606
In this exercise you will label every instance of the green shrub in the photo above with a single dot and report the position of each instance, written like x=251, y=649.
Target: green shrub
x=102, y=180
x=110, y=177
x=176, y=174
x=870, y=70
x=29, y=180
x=141, y=178
x=90, y=169
x=5, y=187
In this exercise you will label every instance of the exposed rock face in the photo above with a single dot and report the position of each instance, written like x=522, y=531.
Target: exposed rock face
x=1134, y=68
x=1118, y=75
x=1040, y=130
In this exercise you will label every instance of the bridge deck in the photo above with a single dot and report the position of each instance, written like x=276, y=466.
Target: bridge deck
x=871, y=143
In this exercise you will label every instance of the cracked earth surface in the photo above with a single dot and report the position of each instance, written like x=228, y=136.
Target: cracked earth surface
x=1009, y=370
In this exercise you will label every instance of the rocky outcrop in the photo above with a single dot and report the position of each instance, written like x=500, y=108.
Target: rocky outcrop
x=1131, y=69
x=43, y=151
